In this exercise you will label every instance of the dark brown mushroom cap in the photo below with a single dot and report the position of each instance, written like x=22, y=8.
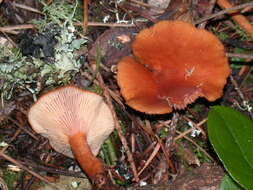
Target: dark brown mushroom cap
x=174, y=64
x=68, y=110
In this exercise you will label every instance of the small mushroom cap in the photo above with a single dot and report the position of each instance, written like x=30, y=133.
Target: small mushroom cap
x=174, y=63
x=68, y=110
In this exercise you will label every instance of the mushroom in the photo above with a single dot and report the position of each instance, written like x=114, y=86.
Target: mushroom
x=174, y=63
x=76, y=122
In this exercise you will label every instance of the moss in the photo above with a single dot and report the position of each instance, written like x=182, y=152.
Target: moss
x=97, y=89
x=59, y=12
x=11, y=178
x=109, y=152
x=243, y=34
x=163, y=133
x=221, y=35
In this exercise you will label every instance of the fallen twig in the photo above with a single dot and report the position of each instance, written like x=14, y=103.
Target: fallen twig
x=183, y=134
x=151, y=157
x=21, y=127
x=12, y=29
x=27, y=8
x=209, y=11
x=118, y=128
x=245, y=102
x=85, y=16
x=3, y=185
x=225, y=11
x=237, y=17
x=203, y=150
x=10, y=159
x=239, y=55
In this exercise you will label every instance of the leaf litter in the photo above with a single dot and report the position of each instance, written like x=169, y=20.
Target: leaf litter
x=54, y=52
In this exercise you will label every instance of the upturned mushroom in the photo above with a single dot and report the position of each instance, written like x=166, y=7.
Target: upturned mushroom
x=174, y=63
x=76, y=122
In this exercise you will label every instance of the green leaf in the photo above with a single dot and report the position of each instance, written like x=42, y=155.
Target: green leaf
x=231, y=135
x=229, y=184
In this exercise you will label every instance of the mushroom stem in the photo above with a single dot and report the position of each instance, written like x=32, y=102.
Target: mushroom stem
x=92, y=166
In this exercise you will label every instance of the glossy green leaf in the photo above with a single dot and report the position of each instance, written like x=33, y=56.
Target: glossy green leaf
x=229, y=184
x=231, y=135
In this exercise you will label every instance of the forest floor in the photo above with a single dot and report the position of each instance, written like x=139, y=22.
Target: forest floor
x=48, y=44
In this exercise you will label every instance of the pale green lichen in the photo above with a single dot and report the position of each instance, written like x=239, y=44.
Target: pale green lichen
x=59, y=12
x=25, y=73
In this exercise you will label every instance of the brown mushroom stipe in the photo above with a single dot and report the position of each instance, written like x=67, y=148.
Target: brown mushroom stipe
x=174, y=64
x=74, y=120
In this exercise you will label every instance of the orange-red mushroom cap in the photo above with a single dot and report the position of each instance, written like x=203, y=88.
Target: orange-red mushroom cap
x=67, y=111
x=174, y=63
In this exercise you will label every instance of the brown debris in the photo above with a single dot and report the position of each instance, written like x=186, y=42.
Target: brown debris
x=207, y=176
x=19, y=12
x=114, y=44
